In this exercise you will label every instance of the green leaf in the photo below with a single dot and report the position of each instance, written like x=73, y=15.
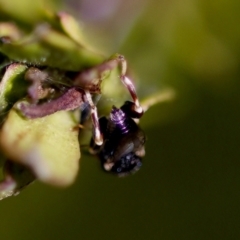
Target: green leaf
x=13, y=86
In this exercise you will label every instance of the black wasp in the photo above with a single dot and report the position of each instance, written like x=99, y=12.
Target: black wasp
x=117, y=140
x=123, y=141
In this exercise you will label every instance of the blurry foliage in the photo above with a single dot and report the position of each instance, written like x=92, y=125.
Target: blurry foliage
x=190, y=46
x=48, y=147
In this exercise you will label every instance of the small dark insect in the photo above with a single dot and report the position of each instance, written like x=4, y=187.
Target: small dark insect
x=123, y=141
x=117, y=140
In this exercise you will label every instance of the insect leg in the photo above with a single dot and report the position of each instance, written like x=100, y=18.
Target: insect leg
x=98, y=138
x=90, y=79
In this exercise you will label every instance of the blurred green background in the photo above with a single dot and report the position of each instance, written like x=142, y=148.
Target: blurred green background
x=188, y=187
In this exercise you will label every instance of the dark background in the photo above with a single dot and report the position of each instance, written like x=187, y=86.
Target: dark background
x=188, y=187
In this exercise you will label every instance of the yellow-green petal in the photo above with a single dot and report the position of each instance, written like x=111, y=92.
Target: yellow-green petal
x=48, y=146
